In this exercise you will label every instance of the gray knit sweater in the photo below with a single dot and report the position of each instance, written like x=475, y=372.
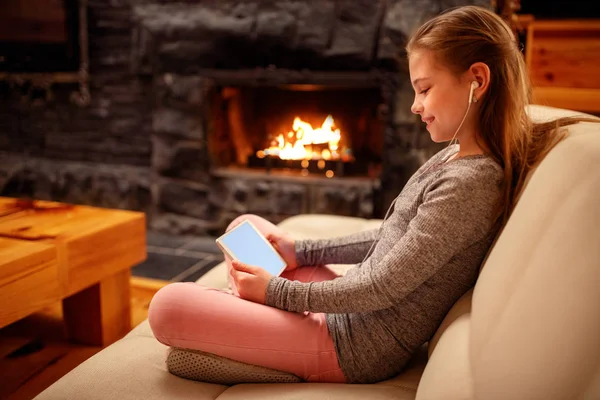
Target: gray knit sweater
x=428, y=253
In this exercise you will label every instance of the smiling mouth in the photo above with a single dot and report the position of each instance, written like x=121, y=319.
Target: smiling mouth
x=428, y=121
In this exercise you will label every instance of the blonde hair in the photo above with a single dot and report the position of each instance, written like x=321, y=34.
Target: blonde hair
x=463, y=36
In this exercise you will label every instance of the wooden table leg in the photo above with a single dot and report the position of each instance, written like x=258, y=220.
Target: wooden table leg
x=100, y=314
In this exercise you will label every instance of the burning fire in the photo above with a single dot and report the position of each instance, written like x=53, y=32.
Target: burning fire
x=304, y=142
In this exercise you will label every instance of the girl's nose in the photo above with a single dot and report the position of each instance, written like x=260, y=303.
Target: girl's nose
x=417, y=107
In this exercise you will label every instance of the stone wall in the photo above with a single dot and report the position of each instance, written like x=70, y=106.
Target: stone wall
x=51, y=148
x=141, y=144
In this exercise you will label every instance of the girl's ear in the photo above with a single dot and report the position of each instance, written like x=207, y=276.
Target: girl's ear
x=480, y=73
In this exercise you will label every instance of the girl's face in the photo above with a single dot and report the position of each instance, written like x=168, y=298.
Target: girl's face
x=441, y=98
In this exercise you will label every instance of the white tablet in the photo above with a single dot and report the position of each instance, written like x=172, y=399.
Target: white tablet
x=246, y=244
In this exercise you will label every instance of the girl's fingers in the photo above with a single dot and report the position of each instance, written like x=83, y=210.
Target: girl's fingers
x=234, y=275
x=241, y=267
x=273, y=240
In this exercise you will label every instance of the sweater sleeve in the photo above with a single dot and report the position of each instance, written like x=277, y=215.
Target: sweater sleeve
x=456, y=212
x=350, y=249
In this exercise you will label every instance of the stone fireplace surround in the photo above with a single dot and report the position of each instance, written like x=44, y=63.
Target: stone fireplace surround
x=186, y=49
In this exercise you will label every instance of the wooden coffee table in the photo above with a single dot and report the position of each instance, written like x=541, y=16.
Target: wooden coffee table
x=78, y=254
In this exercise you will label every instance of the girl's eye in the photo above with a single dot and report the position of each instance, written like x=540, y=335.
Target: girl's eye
x=424, y=91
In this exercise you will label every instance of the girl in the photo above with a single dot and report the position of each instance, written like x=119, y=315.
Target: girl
x=471, y=85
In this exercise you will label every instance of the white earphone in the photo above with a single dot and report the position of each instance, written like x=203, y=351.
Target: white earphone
x=474, y=85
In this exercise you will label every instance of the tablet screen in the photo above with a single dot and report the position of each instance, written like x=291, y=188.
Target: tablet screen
x=247, y=245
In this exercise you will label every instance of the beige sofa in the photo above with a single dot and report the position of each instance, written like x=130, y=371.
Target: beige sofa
x=529, y=330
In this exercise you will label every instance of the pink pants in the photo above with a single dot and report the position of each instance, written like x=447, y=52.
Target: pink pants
x=191, y=316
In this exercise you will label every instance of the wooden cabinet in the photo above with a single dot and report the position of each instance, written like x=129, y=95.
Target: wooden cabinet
x=563, y=59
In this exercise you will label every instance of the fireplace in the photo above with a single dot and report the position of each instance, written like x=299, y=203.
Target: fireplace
x=298, y=130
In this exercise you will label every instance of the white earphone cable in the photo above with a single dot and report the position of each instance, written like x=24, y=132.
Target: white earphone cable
x=474, y=85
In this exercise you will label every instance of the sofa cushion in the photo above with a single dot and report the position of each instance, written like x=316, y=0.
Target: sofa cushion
x=461, y=307
x=321, y=226
x=535, y=326
x=321, y=391
x=132, y=368
x=448, y=373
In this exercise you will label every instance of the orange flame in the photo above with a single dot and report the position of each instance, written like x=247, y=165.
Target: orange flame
x=304, y=142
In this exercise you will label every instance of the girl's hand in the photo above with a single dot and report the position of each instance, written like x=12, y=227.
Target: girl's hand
x=286, y=247
x=251, y=282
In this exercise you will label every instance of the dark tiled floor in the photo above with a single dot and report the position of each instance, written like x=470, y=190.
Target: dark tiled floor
x=178, y=258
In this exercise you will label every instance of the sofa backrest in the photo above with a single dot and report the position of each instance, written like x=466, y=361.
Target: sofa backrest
x=532, y=328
